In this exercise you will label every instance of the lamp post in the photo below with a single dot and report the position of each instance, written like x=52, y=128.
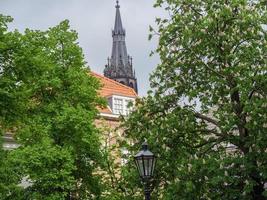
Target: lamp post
x=145, y=162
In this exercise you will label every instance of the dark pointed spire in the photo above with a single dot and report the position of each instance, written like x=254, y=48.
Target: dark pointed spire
x=119, y=51
x=118, y=28
x=119, y=65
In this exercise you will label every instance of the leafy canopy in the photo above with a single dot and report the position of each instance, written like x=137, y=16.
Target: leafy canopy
x=49, y=101
x=206, y=116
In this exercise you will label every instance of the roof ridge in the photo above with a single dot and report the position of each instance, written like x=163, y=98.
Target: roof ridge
x=120, y=84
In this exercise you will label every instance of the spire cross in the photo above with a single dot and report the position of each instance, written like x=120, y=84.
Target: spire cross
x=117, y=6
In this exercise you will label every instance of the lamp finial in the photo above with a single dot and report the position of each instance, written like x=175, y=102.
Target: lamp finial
x=145, y=145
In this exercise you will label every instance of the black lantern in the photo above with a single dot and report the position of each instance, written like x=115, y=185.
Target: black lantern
x=145, y=162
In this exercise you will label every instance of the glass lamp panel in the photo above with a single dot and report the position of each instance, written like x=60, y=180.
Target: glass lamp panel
x=141, y=167
x=137, y=165
x=146, y=166
x=153, y=165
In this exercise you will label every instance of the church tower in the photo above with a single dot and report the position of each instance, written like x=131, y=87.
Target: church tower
x=120, y=65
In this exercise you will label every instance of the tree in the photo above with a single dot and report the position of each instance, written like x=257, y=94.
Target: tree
x=206, y=116
x=118, y=180
x=10, y=175
x=52, y=108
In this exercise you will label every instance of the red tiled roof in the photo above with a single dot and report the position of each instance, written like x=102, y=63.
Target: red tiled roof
x=111, y=87
x=105, y=110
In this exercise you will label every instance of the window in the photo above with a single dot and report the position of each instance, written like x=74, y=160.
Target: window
x=118, y=106
x=131, y=85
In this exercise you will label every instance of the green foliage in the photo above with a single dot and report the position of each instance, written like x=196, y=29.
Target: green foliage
x=48, y=168
x=115, y=186
x=9, y=176
x=49, y=101
x=206, y=117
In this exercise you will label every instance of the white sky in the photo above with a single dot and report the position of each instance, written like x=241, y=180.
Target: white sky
x=94, y=20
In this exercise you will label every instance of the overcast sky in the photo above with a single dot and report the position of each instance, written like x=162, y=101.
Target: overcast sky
x=94, y=20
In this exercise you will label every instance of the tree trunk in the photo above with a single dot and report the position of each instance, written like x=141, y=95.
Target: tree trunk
x=257, y=193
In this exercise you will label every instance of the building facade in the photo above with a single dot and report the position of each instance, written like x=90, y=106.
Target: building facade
x=118, y=98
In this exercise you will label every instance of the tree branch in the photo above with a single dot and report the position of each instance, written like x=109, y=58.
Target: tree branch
x=235, y=47
x=208, y=67
x=253, y=83
x=209, y=148
x=196, y=11
x=251, y=94
x=212, y=131
x=205, y=118
x=206, y=142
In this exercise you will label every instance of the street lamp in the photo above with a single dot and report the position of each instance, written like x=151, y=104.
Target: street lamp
x=145, y=162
